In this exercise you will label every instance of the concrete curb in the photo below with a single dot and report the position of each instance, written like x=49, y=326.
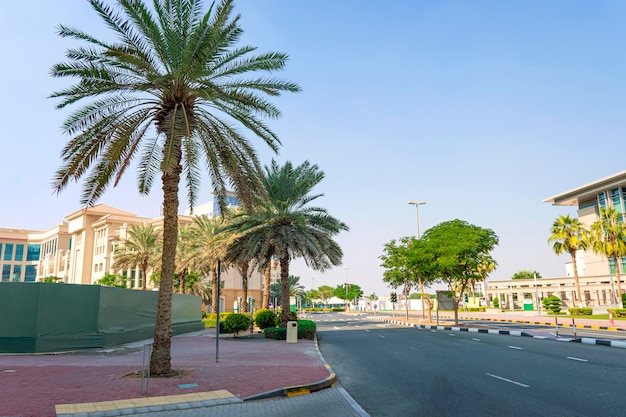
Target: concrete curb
x=547, y=323
x=584, y=340
x=327, y=382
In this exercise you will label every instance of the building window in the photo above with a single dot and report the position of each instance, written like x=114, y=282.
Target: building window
x=19, y=252
x=8, y=252
x=32, y=253
x=17, y=273
x=6, y=272
x=31, y=273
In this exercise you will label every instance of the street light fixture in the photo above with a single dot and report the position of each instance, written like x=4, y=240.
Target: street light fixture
x=417, y=214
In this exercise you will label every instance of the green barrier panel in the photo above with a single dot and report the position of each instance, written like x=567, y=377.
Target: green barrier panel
x=48, y=317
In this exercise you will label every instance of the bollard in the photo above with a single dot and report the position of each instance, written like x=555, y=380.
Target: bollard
x=611, y=319
x=574, y=326
x=556, y=322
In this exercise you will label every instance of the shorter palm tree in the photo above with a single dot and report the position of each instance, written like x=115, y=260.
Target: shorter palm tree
x=608, y=237
x=569, y=235
x=142, y=248
x=283, y=226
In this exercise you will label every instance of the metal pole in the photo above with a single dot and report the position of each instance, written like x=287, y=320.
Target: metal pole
x=537, y=295
x=217, y=321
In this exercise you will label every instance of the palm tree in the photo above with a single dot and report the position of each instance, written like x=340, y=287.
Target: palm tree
x=173, y=89
x=569, y=235
x=205, y=247
x=608, y=237
x=284, y=227
x=141, y=249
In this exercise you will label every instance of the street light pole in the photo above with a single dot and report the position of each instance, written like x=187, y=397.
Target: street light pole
x=417, y=214
x=417, y=218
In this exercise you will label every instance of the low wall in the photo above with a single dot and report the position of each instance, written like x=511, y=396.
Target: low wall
x=47, y=317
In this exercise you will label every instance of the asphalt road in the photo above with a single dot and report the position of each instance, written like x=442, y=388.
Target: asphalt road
x=400, y=371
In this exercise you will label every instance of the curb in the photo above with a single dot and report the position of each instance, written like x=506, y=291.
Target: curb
x=583, y=340
x=547, y=323
x=327, y=382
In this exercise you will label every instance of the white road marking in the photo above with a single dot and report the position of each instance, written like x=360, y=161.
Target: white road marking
x=577, y=359
x=508, y=380
x=381, y=336
x=367, y=330
x=475, y=340
x=514, y=347
x=450, y=334
x=414, y=349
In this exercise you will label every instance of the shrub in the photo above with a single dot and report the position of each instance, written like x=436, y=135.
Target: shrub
x=236, y=322
x=265, y=318
x=623, y=299
x=306, y=329
x=617, y=312
x=481, y=309
x=552, y=304
x=276, y=333
x=580, y=311
x=496, y=302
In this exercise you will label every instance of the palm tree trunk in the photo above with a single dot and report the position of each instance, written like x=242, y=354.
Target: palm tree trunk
x=284, y=280
x=619, y=283
x=580, y=298
x=144, y=272
x=183, y=275
x=244, y=284
x=266, y=285
x=161, y=359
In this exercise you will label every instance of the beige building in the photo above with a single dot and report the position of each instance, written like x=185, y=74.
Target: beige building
x=81, y=250
x=596, y=272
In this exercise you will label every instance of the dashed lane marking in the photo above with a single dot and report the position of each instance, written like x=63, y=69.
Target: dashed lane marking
x=577, y=359
x=507, y=380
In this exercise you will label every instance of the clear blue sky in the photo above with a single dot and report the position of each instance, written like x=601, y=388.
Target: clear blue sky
x=481, y=109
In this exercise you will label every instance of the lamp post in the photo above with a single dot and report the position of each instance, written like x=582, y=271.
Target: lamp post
x=417, y=214
x=417, y=204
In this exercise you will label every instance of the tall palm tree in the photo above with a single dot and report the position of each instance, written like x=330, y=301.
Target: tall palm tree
x=142, y=249
x=608, y=237
x=284, y=226
x=173, y=89
x=569, y=235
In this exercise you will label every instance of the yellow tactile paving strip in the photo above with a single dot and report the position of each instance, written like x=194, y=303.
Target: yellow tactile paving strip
x=142, y=402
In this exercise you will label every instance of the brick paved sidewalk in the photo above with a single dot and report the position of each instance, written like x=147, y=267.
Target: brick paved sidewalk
x=31, y=385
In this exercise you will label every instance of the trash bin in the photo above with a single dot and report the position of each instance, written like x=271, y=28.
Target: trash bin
x=528, y=304
x=292, y=332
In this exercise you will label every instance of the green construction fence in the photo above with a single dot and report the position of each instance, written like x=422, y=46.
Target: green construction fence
x=47, y=317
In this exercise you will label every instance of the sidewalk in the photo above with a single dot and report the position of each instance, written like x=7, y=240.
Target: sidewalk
x=249, y=367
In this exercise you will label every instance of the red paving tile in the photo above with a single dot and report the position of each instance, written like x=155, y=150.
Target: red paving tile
x=31, y=385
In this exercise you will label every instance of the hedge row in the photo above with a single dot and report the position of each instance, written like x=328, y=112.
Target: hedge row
x=306, y=330
x=617, y=312
x=580, y=311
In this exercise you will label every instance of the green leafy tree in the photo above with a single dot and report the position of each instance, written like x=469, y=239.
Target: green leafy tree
x=526, y=274
x=171, y=91
x=398, y=271
x=608, y=237
x=454, y=251
x=419, y=261
x=348, y=292
x=326, y=293
x=112, y=280
x=569, y=235
x=141, y=248
x=285, y=226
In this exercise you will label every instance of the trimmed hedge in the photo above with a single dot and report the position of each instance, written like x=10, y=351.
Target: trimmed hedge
x=306, y=330
x=481, y=309
x=617, y=312
x=580, y=311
